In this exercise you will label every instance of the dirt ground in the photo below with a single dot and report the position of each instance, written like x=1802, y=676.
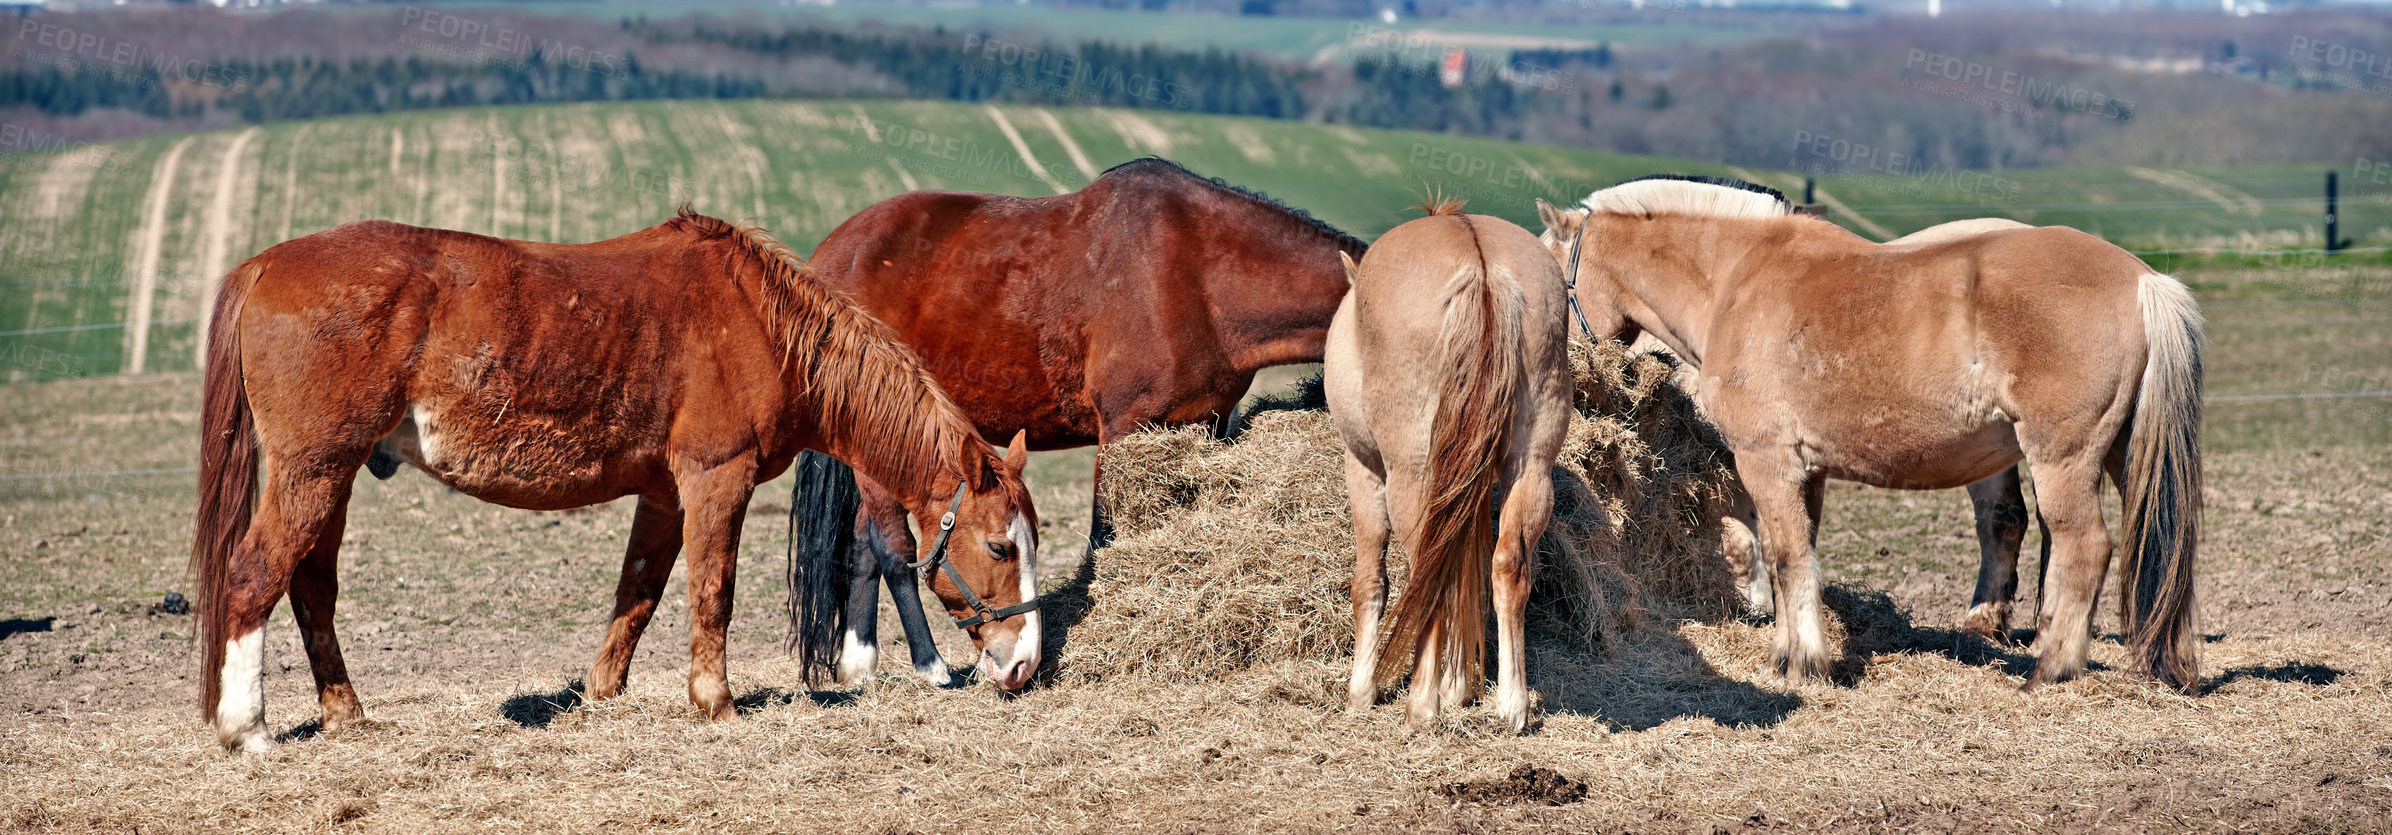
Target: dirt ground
x=467, y=627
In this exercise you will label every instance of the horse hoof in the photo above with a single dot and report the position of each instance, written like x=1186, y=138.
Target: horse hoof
x=247, y=741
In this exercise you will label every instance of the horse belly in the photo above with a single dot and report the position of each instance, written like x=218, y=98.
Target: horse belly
x=1933, y=453
x=524, y=461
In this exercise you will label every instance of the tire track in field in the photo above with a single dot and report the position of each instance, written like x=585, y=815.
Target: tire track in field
x=750, y=159
x=1830, y=201
x=216, y=257
x=1079, y=158
x=1020, y=147
x=290, y=178
x=2227, y=197
x=148, y=246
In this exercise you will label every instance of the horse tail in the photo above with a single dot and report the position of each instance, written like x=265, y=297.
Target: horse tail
x=2162, y=491
x=822, y=510
x=1478, y=358
x=227, y=478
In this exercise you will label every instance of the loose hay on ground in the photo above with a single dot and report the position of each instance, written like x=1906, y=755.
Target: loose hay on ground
x=1234, y=556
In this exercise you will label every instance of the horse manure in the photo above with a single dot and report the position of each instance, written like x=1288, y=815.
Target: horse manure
x=1526, y=784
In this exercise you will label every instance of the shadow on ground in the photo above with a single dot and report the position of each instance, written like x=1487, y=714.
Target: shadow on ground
x=537, y=710
x=20, y=626
x=2287, y=672
x=1658, y=679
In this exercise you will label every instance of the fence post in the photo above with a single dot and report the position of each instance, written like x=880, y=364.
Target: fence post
x=2333, y=217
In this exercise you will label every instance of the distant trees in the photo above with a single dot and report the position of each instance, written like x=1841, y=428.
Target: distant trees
x=2084, y=92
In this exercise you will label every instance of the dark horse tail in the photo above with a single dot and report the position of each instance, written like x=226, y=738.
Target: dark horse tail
x=227, y=478
x=1478, y=363
x=822, y=512
x=2162, y=490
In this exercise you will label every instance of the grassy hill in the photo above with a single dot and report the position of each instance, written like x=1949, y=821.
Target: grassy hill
x=96, y=238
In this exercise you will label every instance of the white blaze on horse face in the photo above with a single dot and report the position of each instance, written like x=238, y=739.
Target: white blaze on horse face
x=241, y=695
x=857, y=660
x=1025, y=545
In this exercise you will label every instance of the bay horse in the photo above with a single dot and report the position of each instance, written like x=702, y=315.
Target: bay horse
x=683, y=364
x=1149, y=297
x=1448, y=376
x=1822, y=355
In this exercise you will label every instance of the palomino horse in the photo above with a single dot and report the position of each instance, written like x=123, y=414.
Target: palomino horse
x=684, y=364
x=1923, y=366
x=1149, y=297
x=1448, y=374
x=1999, y=504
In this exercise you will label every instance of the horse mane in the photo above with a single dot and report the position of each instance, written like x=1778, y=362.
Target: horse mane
x=1159, y=165
x=861, y=374
x=1721, y=197
x=1437, y=203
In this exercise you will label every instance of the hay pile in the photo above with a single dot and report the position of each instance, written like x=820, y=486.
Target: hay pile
x=1235, y=556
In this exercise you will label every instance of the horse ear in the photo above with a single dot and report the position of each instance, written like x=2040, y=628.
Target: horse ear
x=1350, y=270
x=1017, y=454
x=1551, y=216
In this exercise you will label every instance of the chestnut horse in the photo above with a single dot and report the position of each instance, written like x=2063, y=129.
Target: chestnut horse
x=1448, y=374
x=1149, y=297
x=1822, y=355
x=1999, y=503
x=683, y=364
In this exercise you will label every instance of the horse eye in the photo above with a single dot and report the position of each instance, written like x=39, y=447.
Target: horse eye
x=1002, y=550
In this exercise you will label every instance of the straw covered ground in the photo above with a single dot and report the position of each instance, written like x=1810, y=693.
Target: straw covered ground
x=1200, y=685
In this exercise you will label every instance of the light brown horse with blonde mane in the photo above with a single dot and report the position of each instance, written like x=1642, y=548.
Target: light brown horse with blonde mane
x=1999, y=504
x=683, y=364
x=1447, y=370
x=1926, y=365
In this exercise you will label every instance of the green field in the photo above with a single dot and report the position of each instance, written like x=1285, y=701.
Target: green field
x=96, y=238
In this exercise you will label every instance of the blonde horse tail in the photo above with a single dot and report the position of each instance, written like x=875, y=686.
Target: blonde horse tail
x=1478, y=360
x=2162, y=490
x=227, y=478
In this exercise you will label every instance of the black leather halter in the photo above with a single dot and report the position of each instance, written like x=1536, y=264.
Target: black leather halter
x=938, y=557
x=1570, y=282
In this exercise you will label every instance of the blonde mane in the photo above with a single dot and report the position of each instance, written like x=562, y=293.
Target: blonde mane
x=1720, y=198
x=859, y=374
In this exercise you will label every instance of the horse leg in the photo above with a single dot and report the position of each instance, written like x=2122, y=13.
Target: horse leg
x=647, y=562
x=892, y=544
x=1787, y=502
x=294, y=506
x=315, y=586
x=2068, y=499
x=1526, y=510
x=859, y=647
x=1366, y=493
x=2001, y=528
x=1740, y=544
x=713, y=503
x=1421, y=706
